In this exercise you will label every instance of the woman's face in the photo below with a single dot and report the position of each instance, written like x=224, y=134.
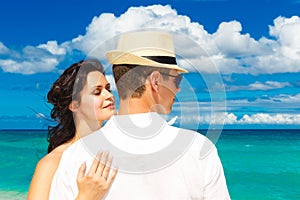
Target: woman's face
x=97, y=102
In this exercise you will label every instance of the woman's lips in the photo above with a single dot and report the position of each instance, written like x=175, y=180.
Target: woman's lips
x=111, y=106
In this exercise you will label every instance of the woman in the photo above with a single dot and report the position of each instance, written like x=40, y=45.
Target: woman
x=81, y=100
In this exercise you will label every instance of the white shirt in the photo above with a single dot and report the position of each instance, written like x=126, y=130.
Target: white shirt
x=155, y=161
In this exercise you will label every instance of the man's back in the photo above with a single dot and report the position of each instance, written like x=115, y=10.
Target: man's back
x=165, y=162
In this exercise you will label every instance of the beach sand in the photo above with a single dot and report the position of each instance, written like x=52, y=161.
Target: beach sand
x=12, y=195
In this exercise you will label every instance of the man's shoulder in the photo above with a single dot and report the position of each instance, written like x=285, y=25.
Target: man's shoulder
x=192, y=133
x=80, y=150
x=199, y=142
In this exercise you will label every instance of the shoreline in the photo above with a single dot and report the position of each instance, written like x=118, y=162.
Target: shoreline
x=12, y=194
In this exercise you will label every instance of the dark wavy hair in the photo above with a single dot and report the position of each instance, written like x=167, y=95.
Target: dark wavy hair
x=65, y=89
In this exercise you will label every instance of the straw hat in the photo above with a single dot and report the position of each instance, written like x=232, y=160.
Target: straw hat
x=150, y=48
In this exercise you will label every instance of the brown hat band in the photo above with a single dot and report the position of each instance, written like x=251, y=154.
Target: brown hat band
x=163, y=59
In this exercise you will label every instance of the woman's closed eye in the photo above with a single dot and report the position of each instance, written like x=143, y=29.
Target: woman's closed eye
x=97, y=90
x=107, y=87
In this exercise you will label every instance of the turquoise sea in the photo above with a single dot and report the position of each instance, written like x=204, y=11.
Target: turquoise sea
x=258, y=164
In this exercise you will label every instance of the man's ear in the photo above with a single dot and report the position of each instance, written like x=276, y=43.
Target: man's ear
x=73, y=106
x=154, y=80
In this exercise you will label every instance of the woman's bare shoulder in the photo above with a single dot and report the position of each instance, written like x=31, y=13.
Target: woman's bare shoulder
x=48, y=162
x=47, y=166
x=43, y=174
x=51, y=160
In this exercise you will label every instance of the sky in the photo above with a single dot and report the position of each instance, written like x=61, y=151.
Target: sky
x=243, y=56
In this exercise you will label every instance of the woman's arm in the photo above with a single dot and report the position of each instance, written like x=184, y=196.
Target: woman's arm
x=42, y=177
x=93, y=185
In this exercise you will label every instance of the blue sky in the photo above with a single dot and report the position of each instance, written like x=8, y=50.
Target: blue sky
x=244, y=56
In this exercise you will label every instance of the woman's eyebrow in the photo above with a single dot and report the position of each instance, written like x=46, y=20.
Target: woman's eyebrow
x=97, y=87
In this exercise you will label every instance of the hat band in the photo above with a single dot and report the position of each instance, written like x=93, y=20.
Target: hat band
x=162, y=59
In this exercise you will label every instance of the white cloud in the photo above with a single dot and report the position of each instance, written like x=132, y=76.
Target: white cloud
x=3, y=49
x=288, y=99
x=278, y=110
x=258, y=118
x=287, y=31
x=53, y=48
x=232, y=43
x=107, y=26
x=274, y=104
x=42, y=58
x=263, y=118
x=268, y=85
x=285, y=53
x=29, y=67
x=227, y=50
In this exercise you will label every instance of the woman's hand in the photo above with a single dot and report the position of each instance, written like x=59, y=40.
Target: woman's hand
x=97, y=181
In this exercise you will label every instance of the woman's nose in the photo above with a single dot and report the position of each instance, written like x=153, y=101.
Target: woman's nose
x=108, y=94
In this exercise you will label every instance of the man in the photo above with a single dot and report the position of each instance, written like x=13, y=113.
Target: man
x=155, y=160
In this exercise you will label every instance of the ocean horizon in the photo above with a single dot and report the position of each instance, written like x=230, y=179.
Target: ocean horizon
x=258, y=163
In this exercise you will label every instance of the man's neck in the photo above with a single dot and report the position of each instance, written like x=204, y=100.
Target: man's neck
x=133, y=106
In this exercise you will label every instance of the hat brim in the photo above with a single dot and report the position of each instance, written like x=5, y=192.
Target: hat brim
x=119, y=57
